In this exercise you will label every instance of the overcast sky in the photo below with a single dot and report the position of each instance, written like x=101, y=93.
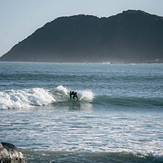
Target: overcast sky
x=20, y=18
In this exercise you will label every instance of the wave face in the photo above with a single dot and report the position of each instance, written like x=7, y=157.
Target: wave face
x=26, y=98
x=129, y=101
x=62, y=94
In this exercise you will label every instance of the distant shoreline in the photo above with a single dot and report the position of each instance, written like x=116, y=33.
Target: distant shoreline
x=82, y=62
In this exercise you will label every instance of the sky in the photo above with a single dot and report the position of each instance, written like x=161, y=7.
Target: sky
x=21, y=18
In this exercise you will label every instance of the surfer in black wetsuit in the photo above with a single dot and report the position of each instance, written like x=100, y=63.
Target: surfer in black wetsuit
x=74, y=94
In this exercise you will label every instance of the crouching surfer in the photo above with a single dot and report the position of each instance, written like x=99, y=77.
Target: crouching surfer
x=73, y=95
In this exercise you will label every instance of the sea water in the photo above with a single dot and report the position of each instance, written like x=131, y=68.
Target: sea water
x=118, y=118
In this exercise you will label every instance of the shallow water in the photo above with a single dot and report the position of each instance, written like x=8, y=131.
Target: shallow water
x=118, y=117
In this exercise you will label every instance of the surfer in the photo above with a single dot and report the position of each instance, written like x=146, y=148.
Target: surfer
x=74, y=94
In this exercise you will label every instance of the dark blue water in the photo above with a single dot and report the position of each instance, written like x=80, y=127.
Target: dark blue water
x=118, y=118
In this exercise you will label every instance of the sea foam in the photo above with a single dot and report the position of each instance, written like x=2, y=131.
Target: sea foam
x=25, y=98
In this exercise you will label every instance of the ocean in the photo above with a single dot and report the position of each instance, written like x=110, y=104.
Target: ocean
x=118, y=118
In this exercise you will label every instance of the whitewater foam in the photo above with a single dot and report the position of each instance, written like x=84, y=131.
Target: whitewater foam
x=25, y=98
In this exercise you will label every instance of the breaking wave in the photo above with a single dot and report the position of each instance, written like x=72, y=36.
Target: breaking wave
x=26, y=98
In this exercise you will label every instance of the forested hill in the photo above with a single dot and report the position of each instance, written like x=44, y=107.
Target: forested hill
x=128, y=37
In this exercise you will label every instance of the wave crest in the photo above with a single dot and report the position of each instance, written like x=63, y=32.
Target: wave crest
x=62, y=94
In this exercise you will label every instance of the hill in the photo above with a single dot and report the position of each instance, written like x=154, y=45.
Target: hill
x=129, y=37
